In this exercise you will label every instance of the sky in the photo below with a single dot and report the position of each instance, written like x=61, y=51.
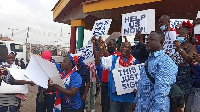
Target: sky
x=37, y=15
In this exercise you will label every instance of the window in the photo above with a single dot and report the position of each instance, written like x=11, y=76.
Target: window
x=16, y=47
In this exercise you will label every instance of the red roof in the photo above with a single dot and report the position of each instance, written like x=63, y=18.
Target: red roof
x=5, y=39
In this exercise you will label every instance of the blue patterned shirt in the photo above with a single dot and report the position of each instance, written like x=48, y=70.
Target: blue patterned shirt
x=153, y=97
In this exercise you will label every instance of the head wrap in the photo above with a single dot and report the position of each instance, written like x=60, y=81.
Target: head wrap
x=9, y=52
x=189, y=25
x=75, y=59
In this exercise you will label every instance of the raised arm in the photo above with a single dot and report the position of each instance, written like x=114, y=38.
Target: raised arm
x=94, y=47
x=187, y=57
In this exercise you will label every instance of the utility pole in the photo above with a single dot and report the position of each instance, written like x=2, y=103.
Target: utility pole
x=12, y=31
x=1, y=36
x=27, y=36
x=27, y=53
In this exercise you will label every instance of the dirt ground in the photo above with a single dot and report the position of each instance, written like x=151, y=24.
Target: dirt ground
x=30, y=104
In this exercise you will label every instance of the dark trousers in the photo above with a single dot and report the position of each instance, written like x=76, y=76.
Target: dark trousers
x=47, y=105
x=11, y=108
x=105, y=99
x=81, y=109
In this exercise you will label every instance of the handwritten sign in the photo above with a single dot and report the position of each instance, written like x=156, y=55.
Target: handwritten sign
x=126, y=78
x=87, y=53
x=132, y=22
x=169, y=46
x=101, y=27
x=175, y=22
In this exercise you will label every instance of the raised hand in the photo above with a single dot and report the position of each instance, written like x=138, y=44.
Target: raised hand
x=178, y=45
x=196, y=57
x=93, y=39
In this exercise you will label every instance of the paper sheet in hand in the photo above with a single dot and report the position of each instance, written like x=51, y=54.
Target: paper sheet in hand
x=126, y=78
x=169, y=45
x=18, y=74
x=40, y=70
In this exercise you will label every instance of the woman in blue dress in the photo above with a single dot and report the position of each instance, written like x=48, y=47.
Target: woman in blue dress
x=68, y=99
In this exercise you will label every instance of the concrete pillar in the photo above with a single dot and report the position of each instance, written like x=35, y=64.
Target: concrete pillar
x=73, y=40
x=80, y=36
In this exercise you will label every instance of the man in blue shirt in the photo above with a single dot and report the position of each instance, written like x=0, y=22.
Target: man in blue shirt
x=154, y=97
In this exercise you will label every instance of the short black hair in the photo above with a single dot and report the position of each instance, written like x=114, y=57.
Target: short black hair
x=161, y=35
x=166, y=17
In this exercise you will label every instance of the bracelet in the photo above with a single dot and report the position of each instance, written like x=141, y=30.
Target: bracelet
x=180, y=50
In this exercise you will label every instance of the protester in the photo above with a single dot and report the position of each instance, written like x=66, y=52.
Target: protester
x=164, y=23
x=194, y=99
x=85, y=75
x=23, y=66
x=185, y=50
x=139, y=49
x=193, y=102
x=10, y=63
x=122, y=59
x=68, y=99
x=111, y=49
x=93, y=76
x=9, y=100
x=154, y=97
x=45, y=97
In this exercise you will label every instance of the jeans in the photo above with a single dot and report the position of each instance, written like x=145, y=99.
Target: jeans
x=48, y=103
x=91, y=97
x=193, y=102
x=11, y=108
x=116, y=106
x=105, y=99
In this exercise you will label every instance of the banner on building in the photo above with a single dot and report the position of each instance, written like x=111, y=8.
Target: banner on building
x=143, y=21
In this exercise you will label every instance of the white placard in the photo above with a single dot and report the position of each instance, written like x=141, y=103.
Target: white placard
x=174, y=22
x=101, y=27
x=17, y=74
x=197, y=29
x=140, y=20
x=198, y=14
x=40, y=71
x=169, y=46
x=114, y=35
x=126, y=78
x=87, y=53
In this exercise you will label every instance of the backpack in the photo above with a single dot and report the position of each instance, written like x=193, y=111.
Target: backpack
x=176, y=94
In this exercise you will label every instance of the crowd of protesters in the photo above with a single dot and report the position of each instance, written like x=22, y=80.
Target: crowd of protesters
x=161, y=71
